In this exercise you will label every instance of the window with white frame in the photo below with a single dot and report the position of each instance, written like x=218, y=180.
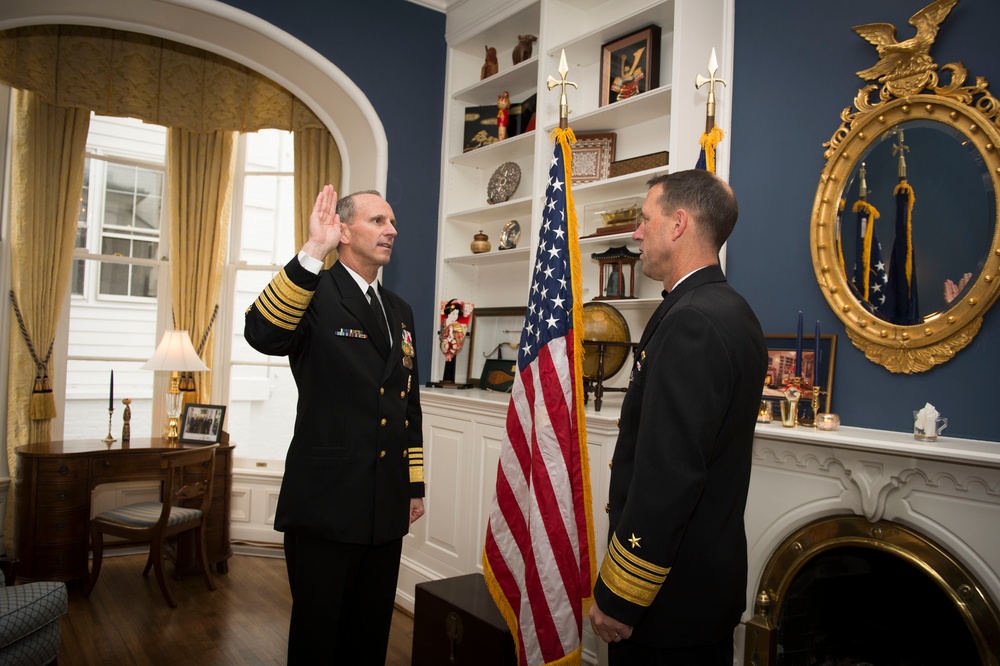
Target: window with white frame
x=119, y=288
x=115, y=289
x=262, y=392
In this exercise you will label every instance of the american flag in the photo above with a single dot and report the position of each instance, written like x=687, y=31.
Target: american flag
x=538, y=558
x=869, y=269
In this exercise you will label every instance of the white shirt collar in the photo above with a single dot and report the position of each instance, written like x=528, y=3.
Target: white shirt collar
x=361, y=282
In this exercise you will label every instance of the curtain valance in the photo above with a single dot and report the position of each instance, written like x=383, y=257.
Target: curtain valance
x=120, y=73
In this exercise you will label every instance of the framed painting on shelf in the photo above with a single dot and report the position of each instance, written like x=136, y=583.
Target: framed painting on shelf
x=630, y=65
x=495, y=335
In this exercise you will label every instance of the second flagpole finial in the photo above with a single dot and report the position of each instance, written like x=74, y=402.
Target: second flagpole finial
x=713, y=67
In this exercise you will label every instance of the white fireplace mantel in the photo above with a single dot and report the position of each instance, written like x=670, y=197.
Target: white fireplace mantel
x=948, y=490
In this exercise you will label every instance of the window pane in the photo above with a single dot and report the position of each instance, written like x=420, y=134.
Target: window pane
x=268, y=220
x=261, y=415
x=114, y=279
x=133, y=197
x=270, y=150
x=78, y=275
x=87, y=393
x=143, y=282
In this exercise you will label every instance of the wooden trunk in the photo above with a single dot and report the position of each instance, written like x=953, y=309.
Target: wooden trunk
x=455, y=621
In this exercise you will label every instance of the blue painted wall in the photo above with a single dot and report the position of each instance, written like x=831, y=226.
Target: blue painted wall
x=395, y=52
x=794, y=72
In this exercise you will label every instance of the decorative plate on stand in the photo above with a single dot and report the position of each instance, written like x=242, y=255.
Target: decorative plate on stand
x=509, y=235
x=503, y=183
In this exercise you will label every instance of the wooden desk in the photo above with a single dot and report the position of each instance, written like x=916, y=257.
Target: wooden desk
x=52, y=490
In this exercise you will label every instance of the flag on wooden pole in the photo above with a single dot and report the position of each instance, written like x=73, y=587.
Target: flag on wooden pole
x=538, y=557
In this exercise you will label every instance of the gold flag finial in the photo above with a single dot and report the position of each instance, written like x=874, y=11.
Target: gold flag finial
x=699, y=81
x=562, y=82
x=900, y=149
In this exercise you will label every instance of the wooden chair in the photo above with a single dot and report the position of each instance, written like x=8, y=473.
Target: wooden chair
x=185, y=495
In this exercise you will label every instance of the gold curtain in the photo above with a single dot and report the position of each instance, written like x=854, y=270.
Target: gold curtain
x=317, y=163
x=46, y=183
x=200, y=169
x=119, y=73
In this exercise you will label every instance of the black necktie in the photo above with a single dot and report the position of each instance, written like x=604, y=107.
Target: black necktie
x=379, y=314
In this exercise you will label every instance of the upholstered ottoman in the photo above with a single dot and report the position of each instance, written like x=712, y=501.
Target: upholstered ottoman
x=29, y=621
x=456, y=622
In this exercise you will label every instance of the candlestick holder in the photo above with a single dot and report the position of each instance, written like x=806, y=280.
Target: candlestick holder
x=813, y=406
x=109, y=440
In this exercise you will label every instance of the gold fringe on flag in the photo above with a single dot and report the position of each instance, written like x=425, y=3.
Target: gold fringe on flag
x=708, y=141
x=873, y=215
x=565, y=137
x=904, y=188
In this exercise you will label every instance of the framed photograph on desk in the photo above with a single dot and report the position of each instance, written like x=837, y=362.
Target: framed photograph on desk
x=202, y=424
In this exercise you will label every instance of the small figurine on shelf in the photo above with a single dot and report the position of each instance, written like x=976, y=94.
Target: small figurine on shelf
x=126, y=418
x=455, y=317
x=522, y=51
x=491, y=66
x=503, y=114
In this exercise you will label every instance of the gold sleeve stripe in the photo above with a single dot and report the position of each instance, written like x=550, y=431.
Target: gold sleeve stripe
x=638, y=562
x=631, y=581
x=416, y=457
x=290, y=292
x=282, y=302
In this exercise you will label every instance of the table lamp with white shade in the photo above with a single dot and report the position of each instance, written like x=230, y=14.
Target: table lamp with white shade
x=175, y=354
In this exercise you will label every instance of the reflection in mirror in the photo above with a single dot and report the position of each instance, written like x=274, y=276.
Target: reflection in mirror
x=951, y=222
x=937, y=264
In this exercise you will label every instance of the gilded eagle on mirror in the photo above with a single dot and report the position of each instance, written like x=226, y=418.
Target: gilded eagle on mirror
x=904, y=65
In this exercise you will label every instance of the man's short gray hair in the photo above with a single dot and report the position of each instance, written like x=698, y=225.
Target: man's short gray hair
x=346, y=205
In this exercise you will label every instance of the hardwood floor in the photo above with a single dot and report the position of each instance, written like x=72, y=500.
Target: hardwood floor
x=244, y=621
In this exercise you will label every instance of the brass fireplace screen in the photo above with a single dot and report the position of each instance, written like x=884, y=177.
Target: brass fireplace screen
x=774, y=635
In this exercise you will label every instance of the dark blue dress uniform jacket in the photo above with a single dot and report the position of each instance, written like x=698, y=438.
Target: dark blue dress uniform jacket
x=356, y=456
x=677, y=558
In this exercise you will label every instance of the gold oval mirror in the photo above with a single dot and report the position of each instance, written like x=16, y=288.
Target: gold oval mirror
x=905, y=233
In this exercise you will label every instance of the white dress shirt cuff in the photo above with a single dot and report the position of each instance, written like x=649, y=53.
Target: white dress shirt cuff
x=311, y=264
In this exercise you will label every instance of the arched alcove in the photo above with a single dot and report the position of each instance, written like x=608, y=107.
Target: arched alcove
x=250, y=41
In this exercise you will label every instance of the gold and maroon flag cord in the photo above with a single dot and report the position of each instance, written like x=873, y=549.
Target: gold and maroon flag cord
x=538, y=557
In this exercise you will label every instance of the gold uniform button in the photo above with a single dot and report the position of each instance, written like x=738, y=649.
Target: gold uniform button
x=406, y=423
x=611, y=465
x=618, y=423
x=381, y=391
x=382, y=422
x=381, y=454
x=607, y=508
x=402, y=394
x=405, y=453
